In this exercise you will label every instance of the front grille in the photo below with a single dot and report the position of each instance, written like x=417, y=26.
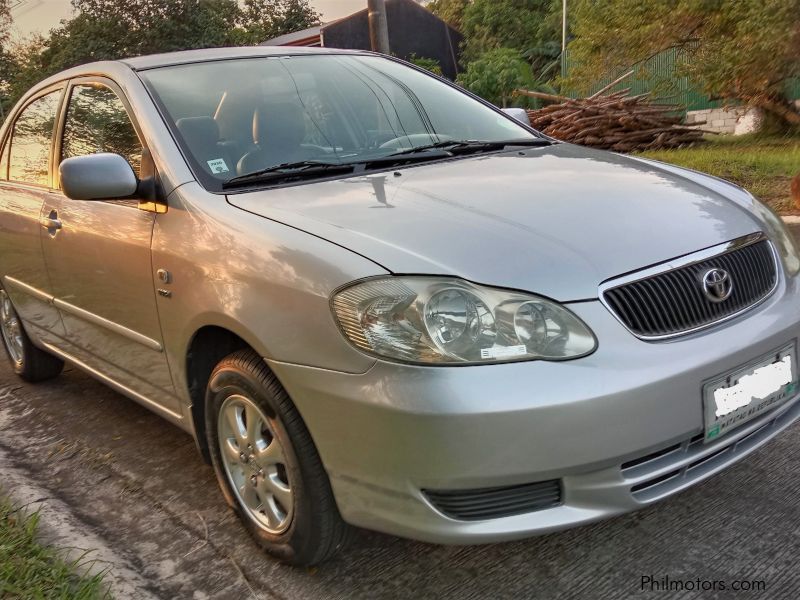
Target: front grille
x=673, y=302
x=493, y=503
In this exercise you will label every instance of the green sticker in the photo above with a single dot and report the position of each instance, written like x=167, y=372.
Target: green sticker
x=713, y=433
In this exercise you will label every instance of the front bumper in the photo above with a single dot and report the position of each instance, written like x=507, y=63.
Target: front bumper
x=617, y=428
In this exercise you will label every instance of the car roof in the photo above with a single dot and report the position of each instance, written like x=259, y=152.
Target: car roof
x=116, y=68
x=189, y=56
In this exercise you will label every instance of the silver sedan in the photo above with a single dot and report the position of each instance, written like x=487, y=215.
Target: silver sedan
x=374, y=299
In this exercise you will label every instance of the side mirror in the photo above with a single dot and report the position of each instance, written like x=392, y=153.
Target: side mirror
x=520, y=114
x=101, y=176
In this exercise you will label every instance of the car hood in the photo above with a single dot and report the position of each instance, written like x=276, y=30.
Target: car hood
x=556, y=221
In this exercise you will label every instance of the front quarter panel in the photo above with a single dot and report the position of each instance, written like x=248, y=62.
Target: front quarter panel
x=266, y=282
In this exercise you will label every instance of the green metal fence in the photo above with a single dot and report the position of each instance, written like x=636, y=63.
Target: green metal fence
x=794, y=89
x=658, y=75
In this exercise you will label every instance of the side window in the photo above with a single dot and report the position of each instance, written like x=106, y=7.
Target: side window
x=97, y=121
x=29, y=158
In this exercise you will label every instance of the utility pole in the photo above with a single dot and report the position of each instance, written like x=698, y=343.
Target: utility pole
x=378, y=26
x=564, y=28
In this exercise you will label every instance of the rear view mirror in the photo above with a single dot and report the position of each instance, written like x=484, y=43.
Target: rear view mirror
x=101, y=176
x=520, y=114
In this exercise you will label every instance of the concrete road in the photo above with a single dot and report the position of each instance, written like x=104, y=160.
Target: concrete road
x=136, y=482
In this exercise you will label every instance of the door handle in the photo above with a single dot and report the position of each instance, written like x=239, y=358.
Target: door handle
x=51, y=222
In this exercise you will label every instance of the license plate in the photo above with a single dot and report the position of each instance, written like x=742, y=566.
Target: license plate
x=733, y=399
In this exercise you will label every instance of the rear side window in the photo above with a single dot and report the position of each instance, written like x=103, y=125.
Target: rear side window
x=98, y=122
x=29, y=158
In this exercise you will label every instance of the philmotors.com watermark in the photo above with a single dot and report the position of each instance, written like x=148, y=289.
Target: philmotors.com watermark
x=665, y=583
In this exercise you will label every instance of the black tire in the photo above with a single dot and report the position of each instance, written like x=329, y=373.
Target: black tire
x=32, y=364
x=316, y=530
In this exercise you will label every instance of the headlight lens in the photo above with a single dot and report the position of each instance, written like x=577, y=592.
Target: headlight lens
x=781, y=237
x=435, y=320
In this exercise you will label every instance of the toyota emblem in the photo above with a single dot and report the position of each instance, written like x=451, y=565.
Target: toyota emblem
x=717, y=285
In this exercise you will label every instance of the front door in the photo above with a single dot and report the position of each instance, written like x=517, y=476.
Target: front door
x=98, y=255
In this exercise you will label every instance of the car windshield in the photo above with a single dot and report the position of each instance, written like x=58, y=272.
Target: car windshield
x=244, y=116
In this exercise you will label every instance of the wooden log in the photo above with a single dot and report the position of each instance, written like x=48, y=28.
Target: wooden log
x=611, y=85
x=615, y=121
x=543, y=96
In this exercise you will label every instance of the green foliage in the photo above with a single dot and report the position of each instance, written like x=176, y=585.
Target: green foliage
x=449, y=11
x=496, y=74
x=736, y=51
x=429, y=64
x=30, y=570
x=261, y=20
x=531, y=27
x=7, y=68
x=508, y=44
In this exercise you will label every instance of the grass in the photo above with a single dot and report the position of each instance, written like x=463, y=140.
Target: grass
x=32, y=570
x=763, y=164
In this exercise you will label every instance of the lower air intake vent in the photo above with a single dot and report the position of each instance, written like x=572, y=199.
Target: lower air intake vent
x=493, y=503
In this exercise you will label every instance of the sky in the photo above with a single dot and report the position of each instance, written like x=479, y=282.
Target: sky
x=31, y=16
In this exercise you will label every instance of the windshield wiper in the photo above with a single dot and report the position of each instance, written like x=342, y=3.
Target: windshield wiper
x=466, y=146
x=296, y=171
x=311, y=169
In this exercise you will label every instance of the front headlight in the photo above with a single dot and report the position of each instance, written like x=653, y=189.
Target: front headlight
x=438, y=320
x=780, y=236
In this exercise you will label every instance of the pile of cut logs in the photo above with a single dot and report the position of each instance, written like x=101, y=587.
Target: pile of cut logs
x=613, y=121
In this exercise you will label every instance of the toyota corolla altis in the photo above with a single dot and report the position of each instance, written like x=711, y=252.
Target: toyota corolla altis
x=375, y=299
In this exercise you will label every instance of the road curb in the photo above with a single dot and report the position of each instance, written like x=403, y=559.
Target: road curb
x=61, y=528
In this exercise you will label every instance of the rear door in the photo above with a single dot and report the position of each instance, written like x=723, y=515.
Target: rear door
x=25, y=184
x=99, y=256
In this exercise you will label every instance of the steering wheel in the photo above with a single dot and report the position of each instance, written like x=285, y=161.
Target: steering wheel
x=406, y=142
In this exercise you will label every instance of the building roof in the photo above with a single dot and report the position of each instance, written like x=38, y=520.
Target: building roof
x=296, y=37
x=313, y=35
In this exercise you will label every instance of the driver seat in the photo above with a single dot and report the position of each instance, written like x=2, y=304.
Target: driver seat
x=278, y=133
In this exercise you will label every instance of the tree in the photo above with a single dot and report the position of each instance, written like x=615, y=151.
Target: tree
x=23, y=69
x=530, y=26
x=113, y=29
x=261, y=20
x=7, y=68
x=743, y=51
x=496, y=74
x=429, y=64
x=449, y=11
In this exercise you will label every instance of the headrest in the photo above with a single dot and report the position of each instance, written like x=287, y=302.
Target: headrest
x=280, y=125
x=200, y=133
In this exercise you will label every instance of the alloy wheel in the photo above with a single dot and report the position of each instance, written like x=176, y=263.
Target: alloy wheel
x=255, y=463
x=11, y=328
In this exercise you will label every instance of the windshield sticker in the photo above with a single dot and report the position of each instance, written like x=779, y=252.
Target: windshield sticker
x=218, y=166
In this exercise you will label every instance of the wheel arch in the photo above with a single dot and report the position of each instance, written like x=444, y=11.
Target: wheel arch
x=207, y=347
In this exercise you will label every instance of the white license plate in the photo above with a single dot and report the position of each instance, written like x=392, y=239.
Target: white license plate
x=733, y=399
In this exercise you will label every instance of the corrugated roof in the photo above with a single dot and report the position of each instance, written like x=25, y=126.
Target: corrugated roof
x=294, y=37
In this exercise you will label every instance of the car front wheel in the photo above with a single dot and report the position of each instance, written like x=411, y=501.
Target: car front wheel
x=266, y=463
